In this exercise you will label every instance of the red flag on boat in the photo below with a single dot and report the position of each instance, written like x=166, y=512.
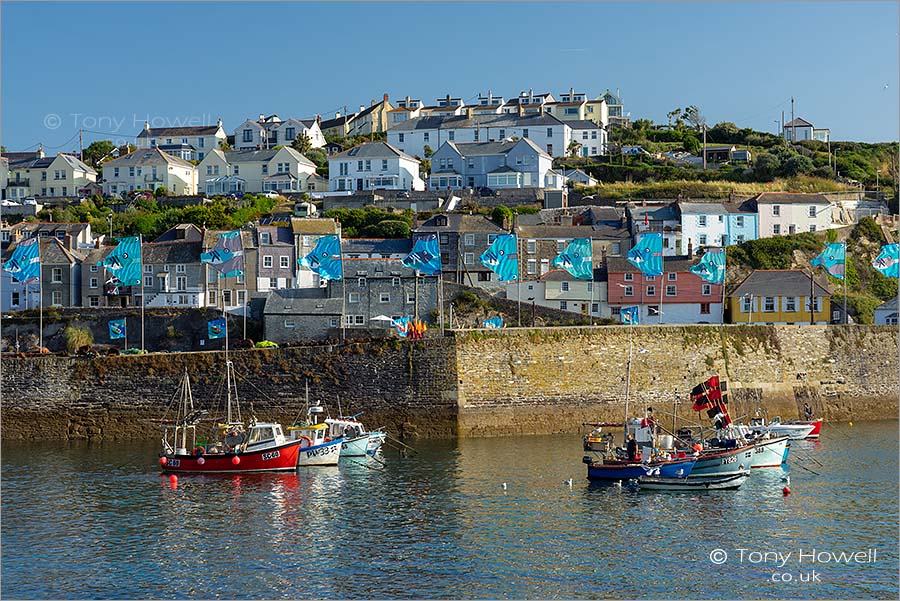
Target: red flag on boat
x=707, y=394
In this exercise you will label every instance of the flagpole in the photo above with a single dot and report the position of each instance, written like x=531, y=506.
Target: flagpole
x=662, y=284
x=343, y=293
x=225, y=317
x=593, y=284
x=143, y=301
x=440, y=292
x=41, y=299
x=846, y=317
x=417, y=294
x=246, y=303
x=125, y=331
x=518, y=285
x=724, y=281
x=627, y=387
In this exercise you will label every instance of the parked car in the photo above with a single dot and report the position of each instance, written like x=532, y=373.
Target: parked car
x=487, y=192
x=403, y=194
x=271, y=194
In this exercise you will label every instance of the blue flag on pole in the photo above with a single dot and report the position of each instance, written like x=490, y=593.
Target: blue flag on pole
x=25, y=265
x=325, y=259
x=402, y=325
x=832, y=259
x=227, y=256
x=116, y=329
x=124, y=262
x=493, y=322
x=711, y=266
x=425, y=256
x=215, y=328
x=502, y=257
x=647, y=254
x=577, y=259
x=631, y=315
x=888, y=261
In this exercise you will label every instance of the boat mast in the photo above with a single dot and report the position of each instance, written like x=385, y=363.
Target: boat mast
x=627, y=388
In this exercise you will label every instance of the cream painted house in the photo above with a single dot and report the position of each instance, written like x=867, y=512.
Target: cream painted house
x=374, y=166
x=283, y=170
x=784, y=213
x=191, y=143
x=149, y=169
x=63, y=175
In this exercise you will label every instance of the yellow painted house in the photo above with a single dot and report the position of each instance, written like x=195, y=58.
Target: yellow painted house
x=778, y=296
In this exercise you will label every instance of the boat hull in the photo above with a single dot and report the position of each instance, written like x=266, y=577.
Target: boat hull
x=816, y=424
x=376, y=439
x=616, y=470
x=793, y=431
x=355, y=447
x=770, y=452
x=273, y=459
x=723, y=463
x=321, y=454
x=729, y=482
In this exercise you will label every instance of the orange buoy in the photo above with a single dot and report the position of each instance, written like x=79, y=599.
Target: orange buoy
x=163, y=461
x=786, y=491
x=235, y=460
x=173, y=480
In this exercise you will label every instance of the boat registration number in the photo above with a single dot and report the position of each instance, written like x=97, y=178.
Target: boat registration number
x=729, y=460
x=760, y=450
x=174, y=463
x=272, y=455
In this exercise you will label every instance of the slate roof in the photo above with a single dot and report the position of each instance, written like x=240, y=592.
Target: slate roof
x=891, y=305
x=680, y=264
x=372, y=150
x=460, y=222
x=798, y=122
x=382, y=246
x=460, y=121
x=328, y=123
x=376, y=268
x=202, y=130
x=777, y=282
x=262, y=155
x=668, y=212
x=147, y=156
x=302, y=301
x=789, y=198
x=159, y=253
x=54, y=253
x=468, y=149
x=582, y=124
x=36, y=227
x=702, y=208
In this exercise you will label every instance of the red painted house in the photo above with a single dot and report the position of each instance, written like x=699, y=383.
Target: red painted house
x=686, y=298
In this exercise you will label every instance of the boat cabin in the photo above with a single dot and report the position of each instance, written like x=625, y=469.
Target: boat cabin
x=314, y=434
x=264, y=435
x=345, y=428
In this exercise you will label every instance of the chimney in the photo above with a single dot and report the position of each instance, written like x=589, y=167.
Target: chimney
x=146, y=126
x=372, y=103
x=530, y=93
x=40, y=152
x=541, y=109
x=469, y=112
x=362, y=107
x=408, y=101
x=337, y=114
x=521, y=108
x=690, y=247
x=384, y=98
x=219, y=122
x=262, y=118
x=571, y=94
x=318, y=118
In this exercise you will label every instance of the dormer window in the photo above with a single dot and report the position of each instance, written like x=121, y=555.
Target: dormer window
x=440, y=221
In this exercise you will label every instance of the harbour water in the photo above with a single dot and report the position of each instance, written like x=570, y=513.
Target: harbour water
x=86, y=521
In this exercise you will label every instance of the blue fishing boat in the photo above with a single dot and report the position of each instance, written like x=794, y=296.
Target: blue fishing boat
x=614, y=469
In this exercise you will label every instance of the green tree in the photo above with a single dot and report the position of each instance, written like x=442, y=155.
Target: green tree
x=96, y=151
x=77, y=337
x=767, y=165
x=691, y=144
x=389, y=228
x=161, y=191
x=302, y=144
x=502, y=215
x=224, y=145
x=573, y=148
x=428, y=151
x=796, y=165
x=694, y=118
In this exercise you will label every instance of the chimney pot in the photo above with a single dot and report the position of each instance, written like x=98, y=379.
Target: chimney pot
x=146, y=126
x=337, y=114
x=219, y=122
x=261, y=117
x=362, y=107
x=385, y=97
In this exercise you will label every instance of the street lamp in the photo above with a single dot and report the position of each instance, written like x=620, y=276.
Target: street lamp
x=109, y=219
x=750, y=305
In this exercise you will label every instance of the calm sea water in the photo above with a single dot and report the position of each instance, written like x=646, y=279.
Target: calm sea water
x=99, y=521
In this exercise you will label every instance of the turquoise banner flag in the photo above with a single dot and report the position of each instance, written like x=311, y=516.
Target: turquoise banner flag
x=832, y=259
x=647, y=254
x=888, y=261
x=25, y=264
x=425, y=256
x=577, y=259
x=493, y=322
x=631, y=315
x=116, y=329
x=124, y=262
x=711, y=266
x=216, y=328
x=227, y=256
x=325, y=259
x=502, y=257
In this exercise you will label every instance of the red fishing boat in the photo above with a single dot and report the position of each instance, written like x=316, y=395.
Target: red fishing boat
x=260, y=447
x=815, y=423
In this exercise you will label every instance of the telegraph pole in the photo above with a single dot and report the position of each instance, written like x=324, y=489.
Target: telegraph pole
x=81, y=148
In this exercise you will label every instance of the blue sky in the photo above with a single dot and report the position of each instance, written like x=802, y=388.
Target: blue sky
x=107, y=67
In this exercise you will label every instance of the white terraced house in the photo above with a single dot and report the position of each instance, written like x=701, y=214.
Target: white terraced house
x=374, y=166
x=148, y=170
x=62, y=175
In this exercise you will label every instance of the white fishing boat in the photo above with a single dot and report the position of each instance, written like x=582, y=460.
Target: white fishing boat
x=777, y=428
x=727, y=482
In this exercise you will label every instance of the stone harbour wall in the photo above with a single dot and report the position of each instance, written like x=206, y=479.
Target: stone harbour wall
x=520, y=381
x=473, y=382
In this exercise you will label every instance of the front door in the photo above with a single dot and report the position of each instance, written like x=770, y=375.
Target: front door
x=359, y=183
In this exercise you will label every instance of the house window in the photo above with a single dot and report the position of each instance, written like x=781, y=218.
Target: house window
x=776, y=228
x=739, y=221
x=671, y=290
x=776, y=210
x=812, y=227
x=706, y=289
x=745, y=304
x=702, y=239
x=563, y=305
x=444, y=239
x=491, y=238
x=368, y=165
x=532, y=267
x=701, y=220
x=704, y=308
x=740, y=239
x=56, y=297
x=395, y=282
x=333, y=322
x=226, y=297
x=469, y=240
x=629, y=277
x=812, y=210
x=384, y=164
x=94, y=268
x=790, y=304
x=361, y=282
x=629, y=291
x=672, y=276
x=273, y=284
x=267, y=261
x=525, y=133
x=451, y=135
x=410, y=298
x=289, y=134
x=651, y=291
x=148, y=281
x=531, y=246
x=94, y=283
x=560, y=246
x=248, y=135
x=56, y=275
x=353, y=297
x=769, y=304
x=549, y=132
x=425, y=136
x=400, y=138
x=818, y=304
x=469, y=258
x=94, y=301
x=15, y=298
x=290, y=323
x=284, y=262
x=179, y=269
x=384, y=297
x=564, y=286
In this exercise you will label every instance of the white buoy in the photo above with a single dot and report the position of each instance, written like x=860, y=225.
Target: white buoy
x=504, y=486
x=569, y=482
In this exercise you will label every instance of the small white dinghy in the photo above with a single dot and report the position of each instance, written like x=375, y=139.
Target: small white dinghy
x=777, y=428
x=729, y=482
